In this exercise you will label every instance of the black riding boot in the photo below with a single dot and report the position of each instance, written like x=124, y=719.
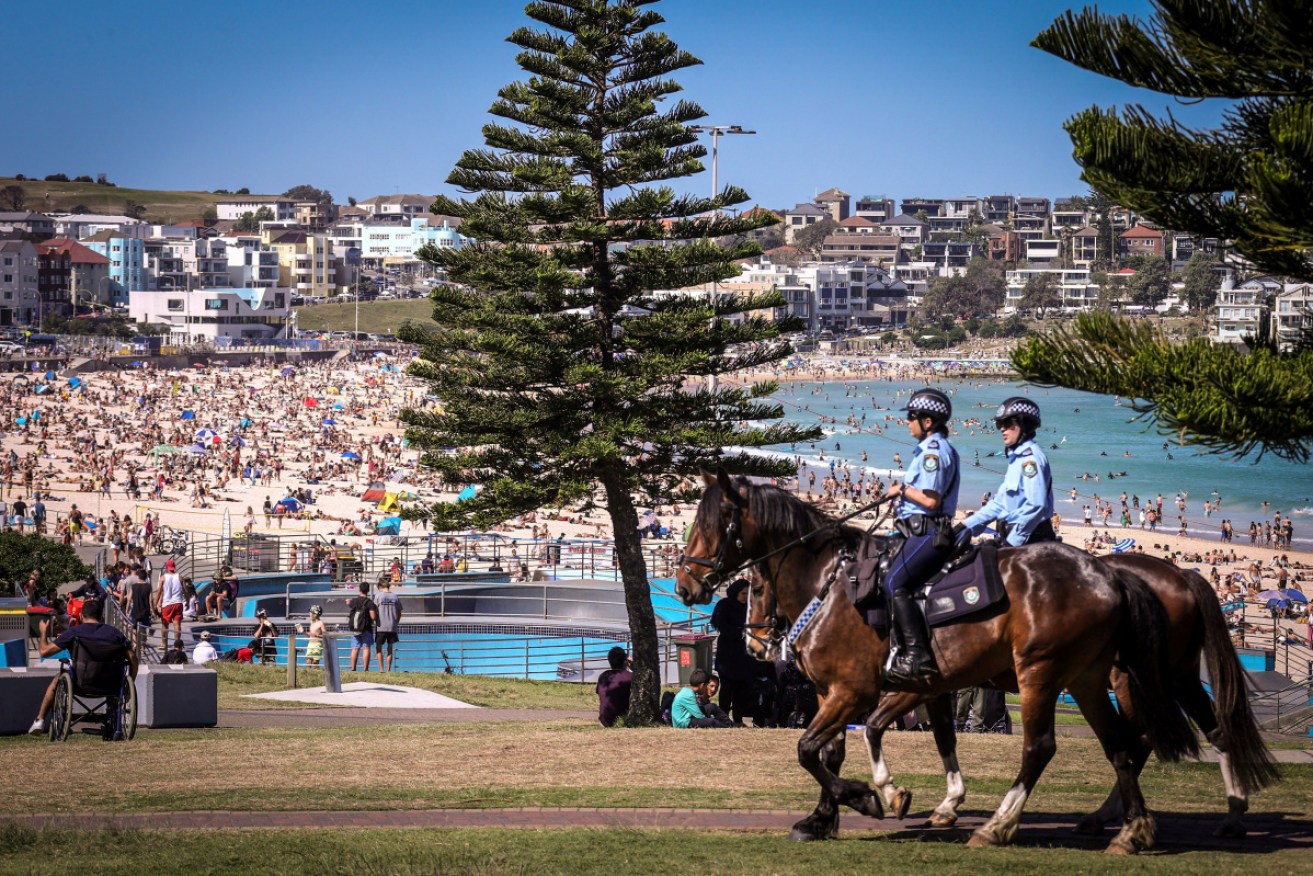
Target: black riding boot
x=914, y=663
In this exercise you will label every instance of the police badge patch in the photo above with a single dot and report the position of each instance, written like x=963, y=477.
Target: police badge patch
x=1029, y=468
x=971, y=595
x=930, y=463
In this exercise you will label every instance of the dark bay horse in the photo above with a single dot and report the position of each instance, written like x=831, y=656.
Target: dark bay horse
x=1197, y=633
x=1066, y=617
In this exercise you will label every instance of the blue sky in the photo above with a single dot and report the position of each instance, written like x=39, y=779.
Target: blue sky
x=366, y=98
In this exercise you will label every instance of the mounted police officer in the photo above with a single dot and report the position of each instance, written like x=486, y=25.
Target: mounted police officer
x=1024, y=504
x=927, y=502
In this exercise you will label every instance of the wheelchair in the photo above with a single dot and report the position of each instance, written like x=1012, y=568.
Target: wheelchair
x=96, y=670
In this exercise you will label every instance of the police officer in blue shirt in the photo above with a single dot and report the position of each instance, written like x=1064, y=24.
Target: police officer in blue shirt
x=927, y=501
x=1024, y=504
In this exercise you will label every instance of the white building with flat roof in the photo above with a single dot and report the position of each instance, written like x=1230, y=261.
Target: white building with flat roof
x=201, y=315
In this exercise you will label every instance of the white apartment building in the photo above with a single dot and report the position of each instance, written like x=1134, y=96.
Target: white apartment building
x=1238, y=312
x=1292, y=314
x=201, y=315
x=237, y=206
x=405, y=205
x=1043, y=250
x=838, y=295
x=1076, y=288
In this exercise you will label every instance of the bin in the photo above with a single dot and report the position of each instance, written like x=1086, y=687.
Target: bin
x=694, y=652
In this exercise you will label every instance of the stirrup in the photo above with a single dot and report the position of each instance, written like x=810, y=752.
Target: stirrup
x=916, y=672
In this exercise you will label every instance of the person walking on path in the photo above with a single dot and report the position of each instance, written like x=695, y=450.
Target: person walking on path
x=169, y=601
x=389, y=625
x=362, y=618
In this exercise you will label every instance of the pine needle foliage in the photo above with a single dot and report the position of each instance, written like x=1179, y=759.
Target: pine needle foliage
x=1251, y=180
x=562, y=377
x=1216, y=397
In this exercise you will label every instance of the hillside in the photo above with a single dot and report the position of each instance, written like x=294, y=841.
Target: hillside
x=161, y=206
x=375, y=316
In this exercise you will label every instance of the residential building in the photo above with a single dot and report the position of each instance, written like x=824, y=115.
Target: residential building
x=838, y=296
x=948, y=256
x=1239, y=310
x=1084, y=247
x=858, y=225
x=37, y=225
x=945, y=225
x=761, y=234
x=19, y=290
x=409, y=206
x=202, y=315
x=127, y=263
x=315, y=216
x=251, y=264
x=929, y=206
x=916, y=277
x=834, y=202
x=910, y=230
x=1044, y=252
x=800, y=217
x=70, y=277
x=1140, y=240
x=1068, y=219
x=879, y=249
x=877, y=209
x=997, y=209
x=1031, y=226
x=1292, y=315
x=1001, y=244
x=305, y=263
x=237, y=206
x=1076, y=289
x=77, y=226
x=1033, y=207
x=961, y=208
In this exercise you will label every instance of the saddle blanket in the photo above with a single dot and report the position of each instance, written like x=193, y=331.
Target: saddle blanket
x=966, y=587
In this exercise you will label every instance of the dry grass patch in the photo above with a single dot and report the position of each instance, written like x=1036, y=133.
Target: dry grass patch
x=557, y=764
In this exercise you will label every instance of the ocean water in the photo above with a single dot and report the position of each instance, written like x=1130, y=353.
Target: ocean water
x=1083, y=434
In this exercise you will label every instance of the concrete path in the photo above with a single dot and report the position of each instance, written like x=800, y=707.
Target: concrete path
x=1176, y=831
x=367, y=695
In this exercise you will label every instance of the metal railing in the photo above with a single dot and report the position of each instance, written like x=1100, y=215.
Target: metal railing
x=1288, y=710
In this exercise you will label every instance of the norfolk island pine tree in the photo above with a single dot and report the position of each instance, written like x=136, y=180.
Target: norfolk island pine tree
x=559, y=370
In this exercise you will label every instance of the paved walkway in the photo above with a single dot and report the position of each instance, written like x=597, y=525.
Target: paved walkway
x=1182, y=832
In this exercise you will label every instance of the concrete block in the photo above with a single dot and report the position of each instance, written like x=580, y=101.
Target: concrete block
x=20, y=697
x=177, y=696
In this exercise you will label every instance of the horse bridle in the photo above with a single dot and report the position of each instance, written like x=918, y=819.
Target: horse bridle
x=733, y=532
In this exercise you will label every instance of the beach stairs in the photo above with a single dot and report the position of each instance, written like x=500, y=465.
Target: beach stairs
x=340, y=355
x=76, y=366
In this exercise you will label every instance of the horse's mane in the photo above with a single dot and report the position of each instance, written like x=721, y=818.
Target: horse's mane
x=774, y=511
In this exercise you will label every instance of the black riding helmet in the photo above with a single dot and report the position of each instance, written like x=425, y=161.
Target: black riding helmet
x=1025, y=411
x=930, y=403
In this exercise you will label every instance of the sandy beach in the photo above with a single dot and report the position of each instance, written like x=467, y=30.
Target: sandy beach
x=200, y=441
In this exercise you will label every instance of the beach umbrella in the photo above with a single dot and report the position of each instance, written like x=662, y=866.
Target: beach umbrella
x=205, y=435
x=1294, y=596
x=164, y=450
x=196, y=450
x=20, y=377
x=189, y=415
x=467, y=493
x=290, y=504
x=311, y=402
x=1124, y=545
x=288, y=370
x=330, y=422
x=75, y=382
x=339, y=407
x=1271, y=595
x=22, y=421
x=347, y=454
x=50, y=375
x=238, y=442
x=199, y=364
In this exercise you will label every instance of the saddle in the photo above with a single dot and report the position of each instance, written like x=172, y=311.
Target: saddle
x=967, y=585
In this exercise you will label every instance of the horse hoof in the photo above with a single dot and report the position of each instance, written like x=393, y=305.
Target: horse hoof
x=868, y=804
x=1232, y=829
x=1090, y=826
x=943, y=819
x=983, y=838
x=810, y=831
x=901, y=803
x=1120, y=847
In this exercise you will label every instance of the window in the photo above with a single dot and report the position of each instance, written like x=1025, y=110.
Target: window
x=216, y=304
x=174, y=305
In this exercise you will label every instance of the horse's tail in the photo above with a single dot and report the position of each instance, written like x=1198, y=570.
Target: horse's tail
x=1251, y=763
x=1142, y=652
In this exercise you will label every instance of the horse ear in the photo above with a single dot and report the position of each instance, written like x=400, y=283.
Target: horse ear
x=708, y=478
x=727, y=488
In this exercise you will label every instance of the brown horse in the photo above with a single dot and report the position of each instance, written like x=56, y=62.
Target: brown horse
x=1065, y=617
x=1197, y=632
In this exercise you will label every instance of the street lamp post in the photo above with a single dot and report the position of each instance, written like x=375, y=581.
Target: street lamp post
x=716, y=132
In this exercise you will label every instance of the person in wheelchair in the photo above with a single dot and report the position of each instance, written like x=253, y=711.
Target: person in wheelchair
x=98, y=651
x=264, y=643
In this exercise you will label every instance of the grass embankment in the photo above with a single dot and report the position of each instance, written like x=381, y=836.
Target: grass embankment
x=375, y=316
x=580, y=852
x=161, y=205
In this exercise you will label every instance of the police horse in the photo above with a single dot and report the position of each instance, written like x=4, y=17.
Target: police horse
x=1065, y=618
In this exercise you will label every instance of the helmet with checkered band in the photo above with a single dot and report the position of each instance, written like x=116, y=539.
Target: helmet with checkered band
x=930, y=403
x=1025, y=411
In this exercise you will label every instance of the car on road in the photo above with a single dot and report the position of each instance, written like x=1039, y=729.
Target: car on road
x=9, y=348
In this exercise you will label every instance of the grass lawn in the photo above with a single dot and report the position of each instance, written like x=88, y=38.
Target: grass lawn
x=236, y=680
x=494, y=852
x=375, y=316
x=161, y=205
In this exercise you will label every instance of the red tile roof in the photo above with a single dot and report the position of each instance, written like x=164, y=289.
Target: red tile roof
x=76, y=252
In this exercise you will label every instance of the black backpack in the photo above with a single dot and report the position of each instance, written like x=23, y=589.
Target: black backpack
x=667, y=704
x=359, y=621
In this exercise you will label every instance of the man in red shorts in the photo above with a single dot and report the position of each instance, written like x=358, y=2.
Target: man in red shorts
x=168, y=603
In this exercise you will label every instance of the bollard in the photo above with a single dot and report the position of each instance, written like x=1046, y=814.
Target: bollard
x=332, y=672
x=291, y=660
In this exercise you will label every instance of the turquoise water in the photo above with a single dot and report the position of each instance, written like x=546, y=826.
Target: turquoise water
x=1093, y=435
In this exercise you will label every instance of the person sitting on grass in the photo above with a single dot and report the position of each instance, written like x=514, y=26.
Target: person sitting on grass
x=686, y=711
